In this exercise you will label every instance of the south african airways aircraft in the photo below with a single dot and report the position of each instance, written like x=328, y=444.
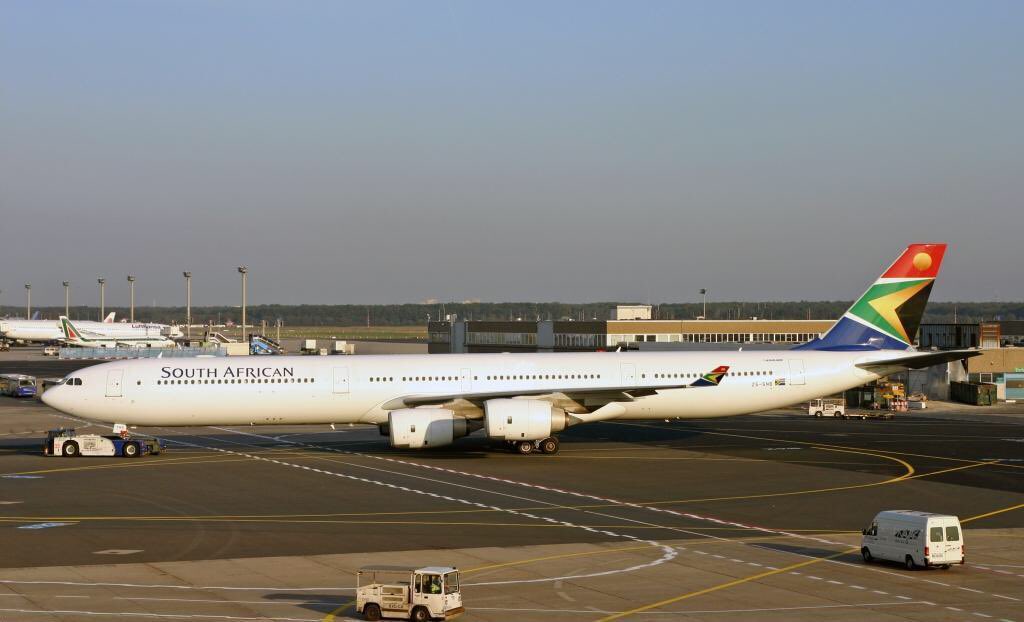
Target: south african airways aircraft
x=522, y=399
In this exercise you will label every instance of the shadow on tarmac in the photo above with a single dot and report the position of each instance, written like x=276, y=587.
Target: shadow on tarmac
x=320, y=603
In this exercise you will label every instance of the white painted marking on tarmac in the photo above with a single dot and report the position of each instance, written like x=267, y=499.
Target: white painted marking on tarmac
x=45, y=525
x=954, y=609
x=165, y=616
x=1006, y=597
x=10, y=502
x=23, y=477
x=547, y=488
x=668, y=553
x=981, y=615
x=936, y=582
x=290, y=603
x=118, y=552
x=970, y=589
x=668, y=550
x=158, y=586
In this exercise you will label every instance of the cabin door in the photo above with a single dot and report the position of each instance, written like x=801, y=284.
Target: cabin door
x=341, y=379
x=796, y=372
x=628, y=374
x=115, y=378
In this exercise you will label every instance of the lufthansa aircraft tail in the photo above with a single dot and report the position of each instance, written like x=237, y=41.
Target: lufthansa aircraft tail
x=888, y=315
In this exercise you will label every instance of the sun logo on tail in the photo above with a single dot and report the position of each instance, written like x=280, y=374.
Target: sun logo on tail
x=895, y=303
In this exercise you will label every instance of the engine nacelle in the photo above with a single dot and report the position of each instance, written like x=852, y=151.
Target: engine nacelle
x=415, y=428
x=522, y=420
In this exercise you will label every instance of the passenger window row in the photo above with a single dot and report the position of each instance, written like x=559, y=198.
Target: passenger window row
x=692, y=375
x=547, y=377
x=494, y=377
x=238, y=381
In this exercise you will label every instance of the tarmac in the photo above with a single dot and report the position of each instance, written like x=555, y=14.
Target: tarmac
x=746, y=518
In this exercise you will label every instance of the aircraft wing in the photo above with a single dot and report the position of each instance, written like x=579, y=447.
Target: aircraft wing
x=610, y=394
x=918, y=360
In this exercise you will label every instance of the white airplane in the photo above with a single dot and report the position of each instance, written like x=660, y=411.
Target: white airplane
x=45, y=330
x=523, y=399
x=72, y=336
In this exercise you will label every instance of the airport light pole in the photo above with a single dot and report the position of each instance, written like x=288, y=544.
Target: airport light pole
x=131, y=285
x=244, y=271
x=704, y=293
x=188, y=304
x=103, y=292
x=67, y=298
x=28, y=303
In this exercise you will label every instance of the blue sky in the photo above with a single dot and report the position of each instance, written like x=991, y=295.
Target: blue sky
x=392, y=152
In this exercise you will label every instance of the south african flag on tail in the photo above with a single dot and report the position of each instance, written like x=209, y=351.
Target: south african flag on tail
x=888, y=315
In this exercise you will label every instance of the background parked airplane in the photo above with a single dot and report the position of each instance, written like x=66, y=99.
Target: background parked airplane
x=73, y=336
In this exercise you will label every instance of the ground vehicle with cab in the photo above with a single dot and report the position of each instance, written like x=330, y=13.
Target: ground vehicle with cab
x=65, y=442
x=914, y=539
x=408, y=593
x=824, y=407
x=17, y=385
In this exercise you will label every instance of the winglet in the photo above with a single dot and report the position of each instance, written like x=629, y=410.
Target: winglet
x=712, y=378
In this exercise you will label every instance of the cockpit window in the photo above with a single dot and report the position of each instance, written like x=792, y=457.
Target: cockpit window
x=74, y=382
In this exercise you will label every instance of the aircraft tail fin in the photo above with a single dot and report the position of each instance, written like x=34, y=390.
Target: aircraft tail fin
x=110, y=318
x=71, y=333
x=888, y=315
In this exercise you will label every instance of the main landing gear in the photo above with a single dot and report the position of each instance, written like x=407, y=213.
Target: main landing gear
x=546, y=446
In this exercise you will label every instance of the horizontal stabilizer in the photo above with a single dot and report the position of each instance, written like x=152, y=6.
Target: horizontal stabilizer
x=918, y=360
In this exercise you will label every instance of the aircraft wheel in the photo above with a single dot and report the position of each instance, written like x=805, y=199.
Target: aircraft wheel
x=549, y=445
x=131, y=450
x=70, y=449
x=524, y=447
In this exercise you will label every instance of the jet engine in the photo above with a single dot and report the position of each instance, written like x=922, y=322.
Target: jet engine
x=415, y=428
x=523, y=420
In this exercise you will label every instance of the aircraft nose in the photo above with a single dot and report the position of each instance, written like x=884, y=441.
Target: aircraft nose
x=53, y=397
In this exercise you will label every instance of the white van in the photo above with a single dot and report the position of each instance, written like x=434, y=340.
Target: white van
x=915, y=539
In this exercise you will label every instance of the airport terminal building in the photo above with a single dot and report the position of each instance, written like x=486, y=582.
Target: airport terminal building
x=640, y=334
x=1002, y=361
